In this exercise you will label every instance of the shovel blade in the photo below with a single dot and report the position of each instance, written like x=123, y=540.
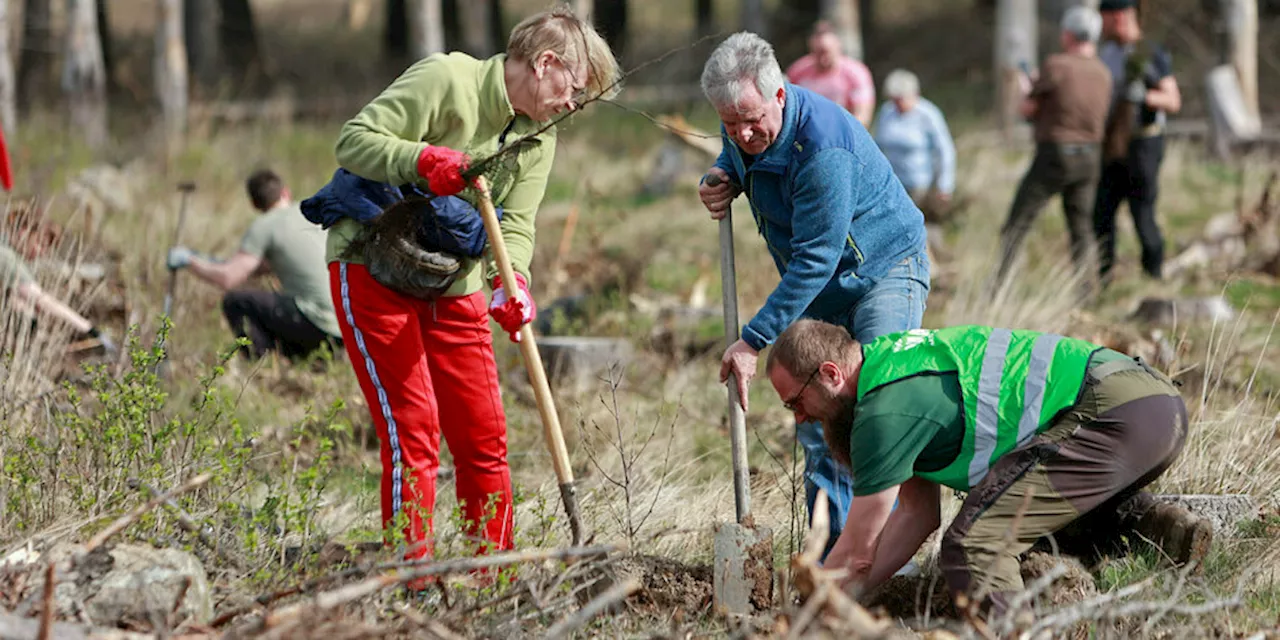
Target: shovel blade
x=742, y=574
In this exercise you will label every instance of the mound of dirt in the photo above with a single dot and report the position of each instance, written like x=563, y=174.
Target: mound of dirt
x=667, y=584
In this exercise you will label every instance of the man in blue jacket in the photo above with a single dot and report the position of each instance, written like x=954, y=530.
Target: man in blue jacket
x=845, y=236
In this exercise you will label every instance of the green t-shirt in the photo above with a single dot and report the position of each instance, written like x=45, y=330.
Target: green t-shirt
x=13, y=269
x=914, y=424
x=294, y=248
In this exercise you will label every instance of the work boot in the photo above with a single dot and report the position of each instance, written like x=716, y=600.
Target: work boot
x=1183, y=536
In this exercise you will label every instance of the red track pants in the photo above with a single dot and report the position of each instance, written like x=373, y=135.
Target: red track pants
x=427, y=368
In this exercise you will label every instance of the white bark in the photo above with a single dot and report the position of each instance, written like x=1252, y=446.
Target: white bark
x=8, y=113
x=1240, y=17
x=170, y=67
x=426, y=27
x=844, y=18
x=84, y=74
x=583, y=8
x=1015, y=44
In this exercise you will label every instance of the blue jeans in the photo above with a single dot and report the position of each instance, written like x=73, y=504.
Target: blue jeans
x=895, y=303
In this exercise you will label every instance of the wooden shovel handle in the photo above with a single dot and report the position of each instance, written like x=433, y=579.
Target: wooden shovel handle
x=533, y=364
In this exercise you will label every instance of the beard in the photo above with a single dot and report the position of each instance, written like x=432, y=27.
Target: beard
x=837, y=428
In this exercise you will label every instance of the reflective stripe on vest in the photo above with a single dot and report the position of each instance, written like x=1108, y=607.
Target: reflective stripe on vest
x=1014, y=383
x=986, y=427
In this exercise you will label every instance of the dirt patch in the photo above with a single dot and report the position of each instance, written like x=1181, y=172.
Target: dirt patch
x=909, y=597
x=666, y=583
x=1075, y=586
x=759, y=570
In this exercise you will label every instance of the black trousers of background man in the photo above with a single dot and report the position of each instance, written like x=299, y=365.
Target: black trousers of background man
x=1135, y=179
x=272, y=321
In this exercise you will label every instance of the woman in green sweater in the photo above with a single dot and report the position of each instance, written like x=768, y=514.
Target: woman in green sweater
x=425, y=363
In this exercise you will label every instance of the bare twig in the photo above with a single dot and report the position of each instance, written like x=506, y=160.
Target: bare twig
x=477, y=168
x=1005, y=625
x=809, y=611
x=612, y=596
x=46, y=615
x=332, y=599
x=189, y=524
x=129, y=518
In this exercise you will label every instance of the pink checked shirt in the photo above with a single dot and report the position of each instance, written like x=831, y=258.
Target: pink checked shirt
x=848, y=85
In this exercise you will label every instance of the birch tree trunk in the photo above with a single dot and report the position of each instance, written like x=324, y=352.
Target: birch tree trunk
x=1015, y=44
x=84, y=80
x=8, y=110
x=170, y=68
x=584, y=9
x=1240, y=20
x=844, y=18
x=426, y=28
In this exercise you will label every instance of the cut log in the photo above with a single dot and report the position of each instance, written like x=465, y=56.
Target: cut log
x=1226, y=512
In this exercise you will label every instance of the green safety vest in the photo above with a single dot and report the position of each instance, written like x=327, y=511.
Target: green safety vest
x=1014, y=384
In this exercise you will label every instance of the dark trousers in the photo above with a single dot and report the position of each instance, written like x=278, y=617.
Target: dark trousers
x=1067, y=169
x=272, y=321
x=1135, y=179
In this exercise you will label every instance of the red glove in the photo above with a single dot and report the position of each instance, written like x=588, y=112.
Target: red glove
x=512, y=312
x=442, y=168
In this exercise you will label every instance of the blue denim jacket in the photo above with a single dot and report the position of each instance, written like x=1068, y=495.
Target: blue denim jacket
x=832, y=213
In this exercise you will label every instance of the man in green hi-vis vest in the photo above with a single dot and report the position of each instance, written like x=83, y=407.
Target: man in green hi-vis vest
x=1038, y=429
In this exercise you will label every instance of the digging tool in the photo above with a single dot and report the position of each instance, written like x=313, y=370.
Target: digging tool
x=537, y=375
x=742, y=575
x=185, y=188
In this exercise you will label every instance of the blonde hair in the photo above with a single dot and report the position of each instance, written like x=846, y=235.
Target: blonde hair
x=571, y=38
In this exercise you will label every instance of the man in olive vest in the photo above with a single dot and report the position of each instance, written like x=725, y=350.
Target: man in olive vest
x=1038, y=429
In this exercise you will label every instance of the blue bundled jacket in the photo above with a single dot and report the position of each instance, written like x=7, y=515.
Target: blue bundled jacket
x=454, y=228
x=834, y=216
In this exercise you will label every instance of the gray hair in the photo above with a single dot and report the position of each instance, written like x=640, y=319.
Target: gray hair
x=743, y=57
x=901, y=83
x=1083, y=23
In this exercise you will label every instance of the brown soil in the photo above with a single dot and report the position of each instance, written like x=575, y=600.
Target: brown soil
x=667, y=584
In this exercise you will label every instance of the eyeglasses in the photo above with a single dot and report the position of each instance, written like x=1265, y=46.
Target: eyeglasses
x=579, y=90
x=793, y=401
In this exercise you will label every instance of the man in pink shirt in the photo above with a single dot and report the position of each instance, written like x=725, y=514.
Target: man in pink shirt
x=841, y=79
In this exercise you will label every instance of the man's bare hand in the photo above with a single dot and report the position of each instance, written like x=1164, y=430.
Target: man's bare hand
x=739, y=360
x=717, y=199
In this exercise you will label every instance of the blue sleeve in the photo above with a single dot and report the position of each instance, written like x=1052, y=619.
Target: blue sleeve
x=822, y=200
x=945, y=148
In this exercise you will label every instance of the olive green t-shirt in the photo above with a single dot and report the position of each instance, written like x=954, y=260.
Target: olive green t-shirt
x=294, y=248
x=912, y=425
x=13, y=269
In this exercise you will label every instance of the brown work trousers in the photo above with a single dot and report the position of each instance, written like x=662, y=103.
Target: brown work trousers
x=1128, y=427
x=1058, y=168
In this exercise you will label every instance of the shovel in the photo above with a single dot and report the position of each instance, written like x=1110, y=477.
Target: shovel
x=742, y=572
x=186, y=188
x=537, y=375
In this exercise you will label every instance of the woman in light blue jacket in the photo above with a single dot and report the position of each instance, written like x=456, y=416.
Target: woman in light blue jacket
x=914, y=137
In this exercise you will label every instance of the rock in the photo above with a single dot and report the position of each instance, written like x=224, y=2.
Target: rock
x=1226, y=512
x=136, y=583
x=575, y=364
x=18, y=628
x=1170, y=311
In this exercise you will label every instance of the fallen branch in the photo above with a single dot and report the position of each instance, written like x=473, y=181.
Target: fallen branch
x=129, y=518
x=330, y=600
x=188, y=524
x=612, y=596
x=810, y=579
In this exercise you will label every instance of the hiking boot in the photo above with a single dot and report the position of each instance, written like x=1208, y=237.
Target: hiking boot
x=1182, y=535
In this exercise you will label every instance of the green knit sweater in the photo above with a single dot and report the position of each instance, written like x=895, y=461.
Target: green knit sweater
x=455, y=101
